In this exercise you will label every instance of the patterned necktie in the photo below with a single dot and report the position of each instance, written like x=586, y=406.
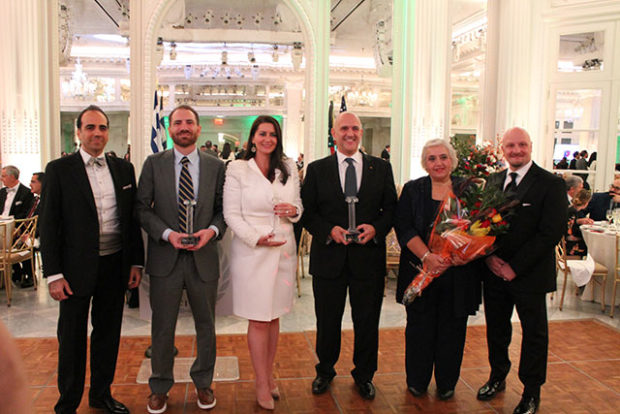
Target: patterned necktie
x=186, y=193
x=99, y=161
x=350, y=179
x=33, y=208
x=511, y=188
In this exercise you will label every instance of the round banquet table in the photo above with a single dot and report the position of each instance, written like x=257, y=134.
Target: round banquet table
x=601, y=242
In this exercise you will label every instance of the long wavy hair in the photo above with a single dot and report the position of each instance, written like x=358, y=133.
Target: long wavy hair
x=277, y=157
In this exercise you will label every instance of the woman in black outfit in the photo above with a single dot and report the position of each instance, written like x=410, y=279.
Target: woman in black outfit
x=437, y=320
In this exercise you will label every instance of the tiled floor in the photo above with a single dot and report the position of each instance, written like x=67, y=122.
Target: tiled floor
x=583, y=374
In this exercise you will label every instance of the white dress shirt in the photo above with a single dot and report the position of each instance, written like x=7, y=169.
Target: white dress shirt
x=10, y=196
x=520, y=174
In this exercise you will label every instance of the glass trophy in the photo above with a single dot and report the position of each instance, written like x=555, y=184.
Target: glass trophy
x=353, y=232
x=275, y=223
x=189, y=213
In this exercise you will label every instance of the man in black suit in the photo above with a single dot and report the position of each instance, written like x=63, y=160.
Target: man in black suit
x=15, y=200
x=522, y=270
x=601, y=202
x=336, y=262
x=92, y=251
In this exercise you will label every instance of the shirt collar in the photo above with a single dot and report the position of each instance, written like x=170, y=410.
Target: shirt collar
x=193, y=156
x=520, y=171
x=357, y=157
x=14, y=188
x=86, y=156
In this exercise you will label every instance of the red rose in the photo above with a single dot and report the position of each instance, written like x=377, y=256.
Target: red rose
x=485, y=224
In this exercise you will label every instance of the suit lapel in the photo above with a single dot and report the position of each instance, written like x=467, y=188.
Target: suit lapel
x=367, y=172
x=333, y=176
x=204, y=181
x=168, y=179
x=527, y=181
x=78, y=171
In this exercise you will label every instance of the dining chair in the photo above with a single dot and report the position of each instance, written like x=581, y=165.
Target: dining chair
x=17, y=247
x=599, y=276
x=303, y=248
x=392, y=256
x=616, y=279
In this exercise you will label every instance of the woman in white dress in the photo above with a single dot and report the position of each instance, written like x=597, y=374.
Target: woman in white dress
x=261, y=203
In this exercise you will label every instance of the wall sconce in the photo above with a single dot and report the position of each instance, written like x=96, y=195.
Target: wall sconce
x=224, y=57
x=297, y=55
x=275, y=57
x=173, y=51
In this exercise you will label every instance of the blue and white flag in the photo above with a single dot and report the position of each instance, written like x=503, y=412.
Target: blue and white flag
x=157, y=128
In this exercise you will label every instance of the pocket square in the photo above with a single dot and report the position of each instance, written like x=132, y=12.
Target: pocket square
x=127, y=187
x=18, y=203
x=526, y=204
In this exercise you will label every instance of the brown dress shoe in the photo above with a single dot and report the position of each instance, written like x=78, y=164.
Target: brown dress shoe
x=206, y=399
x=157, y=403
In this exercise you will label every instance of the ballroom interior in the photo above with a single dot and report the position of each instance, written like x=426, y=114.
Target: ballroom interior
x=413, y=70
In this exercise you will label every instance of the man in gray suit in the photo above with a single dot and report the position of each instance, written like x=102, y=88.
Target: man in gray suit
x=169, y=181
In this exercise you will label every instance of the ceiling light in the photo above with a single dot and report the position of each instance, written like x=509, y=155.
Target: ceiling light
x=208, y=16
x=224, y=57
x=251, y=57
x=275, y=57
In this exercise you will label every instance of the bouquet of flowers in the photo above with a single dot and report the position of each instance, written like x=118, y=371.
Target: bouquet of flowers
x=476, y=160
x=466, y=227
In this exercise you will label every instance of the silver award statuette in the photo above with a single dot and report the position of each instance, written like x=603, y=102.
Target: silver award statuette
x=352, y=230
x=189, y=211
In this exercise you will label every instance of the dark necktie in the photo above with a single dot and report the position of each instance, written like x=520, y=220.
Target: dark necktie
x=33, y=208
x=511, y=188
x=350, y=179
x=186, y=193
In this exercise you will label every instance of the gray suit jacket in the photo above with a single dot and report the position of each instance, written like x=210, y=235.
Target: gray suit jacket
x=157, y=210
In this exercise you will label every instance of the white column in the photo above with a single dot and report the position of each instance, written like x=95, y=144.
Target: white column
x=514, y=64
x=141, y=63
x=293, y=133
x=488, y=96
x=29, y=103
x=422, y=36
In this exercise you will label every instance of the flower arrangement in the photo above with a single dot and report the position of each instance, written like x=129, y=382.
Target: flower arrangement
x=476, y=160
x=465, y=228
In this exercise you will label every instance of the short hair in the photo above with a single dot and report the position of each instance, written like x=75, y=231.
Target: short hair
x=575, y=154
x=583, y=153
x=187, y=107
x=12, y=170
x=435, y=143
x=582, y=198
x=573, y=181
x=40, y=176
x=92, y=108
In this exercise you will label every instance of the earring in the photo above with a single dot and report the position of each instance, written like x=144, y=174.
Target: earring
x=253, y=148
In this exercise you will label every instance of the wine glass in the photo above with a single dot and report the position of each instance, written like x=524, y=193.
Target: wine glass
x=275, y=223
x=609, y=215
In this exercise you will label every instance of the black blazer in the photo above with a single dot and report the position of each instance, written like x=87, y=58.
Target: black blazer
x=324, y=208
x=410, y=220
x=21, y=203
x=69, y=226
x=537, y=225
x=598, y=206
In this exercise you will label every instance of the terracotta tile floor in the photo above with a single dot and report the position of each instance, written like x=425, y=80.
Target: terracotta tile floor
x=583, y=375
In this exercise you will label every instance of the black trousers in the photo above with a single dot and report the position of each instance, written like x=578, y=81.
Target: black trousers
x=499, y=302
x=435, y=337
x=365, y=297
x=106, y=317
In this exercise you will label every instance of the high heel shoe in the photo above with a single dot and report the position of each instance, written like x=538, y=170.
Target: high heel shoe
x=275, y=393
x=267, y=404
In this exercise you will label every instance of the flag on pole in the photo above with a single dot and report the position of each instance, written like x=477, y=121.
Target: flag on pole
x=156, y=127
x=343, y=105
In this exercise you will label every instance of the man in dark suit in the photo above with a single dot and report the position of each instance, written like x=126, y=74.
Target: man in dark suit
x=92, y=251
x=522, y=270
x=170, y=180
x=601, y=202
x=336, y=262
x=15, y=198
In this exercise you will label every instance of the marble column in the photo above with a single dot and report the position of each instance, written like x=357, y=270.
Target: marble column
x=29, y=75
x=293, y=132
x=420, y=92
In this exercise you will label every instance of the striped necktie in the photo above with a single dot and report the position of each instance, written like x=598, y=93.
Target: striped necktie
x=186, y=193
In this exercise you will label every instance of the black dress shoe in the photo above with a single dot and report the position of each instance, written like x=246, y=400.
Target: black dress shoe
x=320, y=384
x=366, y=389
x=110, y=404
x=27, y=283
x=415, y=392
x=445, y=395
x=488, y=390
x=527, y=405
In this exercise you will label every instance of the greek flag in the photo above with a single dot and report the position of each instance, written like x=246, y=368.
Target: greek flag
x=157, y=128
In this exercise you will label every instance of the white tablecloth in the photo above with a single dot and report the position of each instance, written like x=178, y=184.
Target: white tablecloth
x=602, y=247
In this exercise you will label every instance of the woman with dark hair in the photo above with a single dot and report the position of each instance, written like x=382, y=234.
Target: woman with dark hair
x=261, y=203
x=227, y=154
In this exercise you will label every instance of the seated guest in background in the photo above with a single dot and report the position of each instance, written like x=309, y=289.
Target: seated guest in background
x=25, y=268
x=262, y=185
x=574, y=184
x=575, y=245
x=601, y=202
x=437, y=320
x=15, y=200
